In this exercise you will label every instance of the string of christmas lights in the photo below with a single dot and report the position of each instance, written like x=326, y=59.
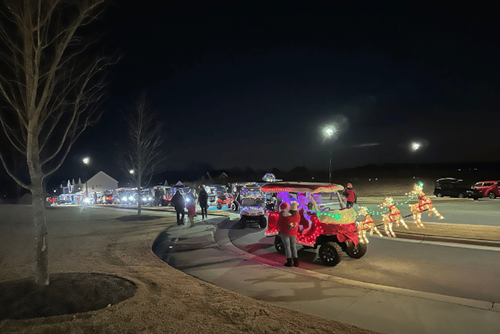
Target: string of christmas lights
x=342, y=223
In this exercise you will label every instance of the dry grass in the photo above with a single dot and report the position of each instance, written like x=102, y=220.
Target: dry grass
x=166, y=301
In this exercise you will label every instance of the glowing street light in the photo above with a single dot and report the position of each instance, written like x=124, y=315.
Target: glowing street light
x=131, y=171
x=86, y=161
x=414, y=147
x=328, y=132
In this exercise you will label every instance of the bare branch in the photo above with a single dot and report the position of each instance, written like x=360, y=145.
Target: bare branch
x=15, y=178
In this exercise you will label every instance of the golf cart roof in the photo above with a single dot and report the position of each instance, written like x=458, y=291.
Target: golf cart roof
x=301, y=187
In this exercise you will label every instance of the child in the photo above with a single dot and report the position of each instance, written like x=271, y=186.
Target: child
x=191, y=211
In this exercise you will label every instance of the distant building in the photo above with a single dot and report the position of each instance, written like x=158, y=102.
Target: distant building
x=100, y=182
x=72, y=192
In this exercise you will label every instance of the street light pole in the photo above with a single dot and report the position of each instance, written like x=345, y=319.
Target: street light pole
x=86, y=161
x=328, y=132
x=330, y=169
x=415, y=146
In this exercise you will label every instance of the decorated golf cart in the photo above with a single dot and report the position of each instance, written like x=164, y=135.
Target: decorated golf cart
x=331, y=228
x=335, y=228
x=252, y=205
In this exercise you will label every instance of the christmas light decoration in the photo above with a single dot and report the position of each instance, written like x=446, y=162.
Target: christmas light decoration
x=367, y=223
x=342, y=223
x=272, y=227
x=394, y=216
x=424, y=203
x=297, y=187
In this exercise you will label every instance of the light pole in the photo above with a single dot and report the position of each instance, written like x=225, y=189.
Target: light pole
x=86, y=161
x=328, y=132
x=414, y=147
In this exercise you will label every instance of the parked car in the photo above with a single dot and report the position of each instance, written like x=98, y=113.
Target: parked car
x=454, y=187
x=488, y=188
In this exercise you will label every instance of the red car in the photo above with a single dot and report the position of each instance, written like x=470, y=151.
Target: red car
x=488, y=188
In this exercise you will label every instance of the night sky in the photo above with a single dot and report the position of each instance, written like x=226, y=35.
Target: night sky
x=251, y=83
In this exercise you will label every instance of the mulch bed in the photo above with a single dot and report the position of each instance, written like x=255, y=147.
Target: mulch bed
x=66, y=294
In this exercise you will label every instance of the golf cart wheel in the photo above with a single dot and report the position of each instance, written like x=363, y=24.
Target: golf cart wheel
x=330, y=253
x=439, y=195
x=356, y=251
x=279, y=245
x=492, y=195
x=461, y=195
x=219, y=206
x=262, y=222
x=243, y=222
x=233, y=207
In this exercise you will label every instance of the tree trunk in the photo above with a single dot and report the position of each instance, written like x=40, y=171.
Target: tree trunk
x=139, y=200
x=39, y=218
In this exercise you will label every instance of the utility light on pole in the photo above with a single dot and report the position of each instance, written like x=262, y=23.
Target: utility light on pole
x=328, y=132
x=86, y=161
x=415, y=146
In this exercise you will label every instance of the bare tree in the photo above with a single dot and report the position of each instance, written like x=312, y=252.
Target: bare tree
x=51, y=92
x=143, y=156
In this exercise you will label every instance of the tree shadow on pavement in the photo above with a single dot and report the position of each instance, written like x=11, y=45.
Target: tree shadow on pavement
x=135, y=218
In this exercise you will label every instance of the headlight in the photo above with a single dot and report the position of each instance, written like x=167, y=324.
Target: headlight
x=131, y=198
x=144, y=199
x=150, y=198
x=124, y=199
x=87, y=200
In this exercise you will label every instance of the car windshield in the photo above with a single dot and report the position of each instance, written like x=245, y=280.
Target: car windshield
x=251, y=202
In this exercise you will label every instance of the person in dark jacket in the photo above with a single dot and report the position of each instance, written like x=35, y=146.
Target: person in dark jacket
x=180, y=205
x=350, y=196
x=157, y=196
x=203, y=201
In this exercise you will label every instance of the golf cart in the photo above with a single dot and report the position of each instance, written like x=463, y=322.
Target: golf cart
x=252, y=210
x=252, y=206
x=215, y=191
x=332, y=229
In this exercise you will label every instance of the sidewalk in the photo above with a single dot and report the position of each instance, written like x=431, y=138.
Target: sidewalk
x=374, y=307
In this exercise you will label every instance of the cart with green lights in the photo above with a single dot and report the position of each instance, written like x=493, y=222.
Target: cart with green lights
x=332, y=229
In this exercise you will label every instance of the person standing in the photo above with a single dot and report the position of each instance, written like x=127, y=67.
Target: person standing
x=191, y=207
x=180, y=205
x=203, y=202
x=157, y=196
x=350, y=196
x=288, y=226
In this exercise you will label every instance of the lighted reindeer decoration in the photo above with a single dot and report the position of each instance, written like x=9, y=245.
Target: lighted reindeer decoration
x=424, y=203
x=367, y=224
x=394, y=216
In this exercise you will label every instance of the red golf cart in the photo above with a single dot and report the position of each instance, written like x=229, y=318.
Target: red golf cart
x=332, y=228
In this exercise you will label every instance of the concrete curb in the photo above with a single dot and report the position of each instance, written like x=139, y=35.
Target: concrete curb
x=432, y=238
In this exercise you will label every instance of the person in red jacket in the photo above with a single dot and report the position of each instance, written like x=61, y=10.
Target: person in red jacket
x=288, y=225
x=350, y=196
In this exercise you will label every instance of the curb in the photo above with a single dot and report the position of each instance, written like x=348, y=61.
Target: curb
x=433, y=238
